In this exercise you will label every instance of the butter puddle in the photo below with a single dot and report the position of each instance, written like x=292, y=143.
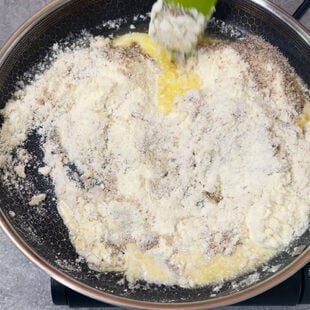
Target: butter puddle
x=173, y=81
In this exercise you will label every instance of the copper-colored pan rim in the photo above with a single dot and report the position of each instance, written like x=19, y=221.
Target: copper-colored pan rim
x=121, y=301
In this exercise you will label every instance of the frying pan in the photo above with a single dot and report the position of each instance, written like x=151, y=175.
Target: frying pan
x=42, y=235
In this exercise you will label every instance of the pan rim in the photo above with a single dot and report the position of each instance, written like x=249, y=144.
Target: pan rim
x=250, y=292
x=290, y=21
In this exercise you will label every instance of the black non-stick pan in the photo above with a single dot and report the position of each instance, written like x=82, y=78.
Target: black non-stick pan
x=42, y=236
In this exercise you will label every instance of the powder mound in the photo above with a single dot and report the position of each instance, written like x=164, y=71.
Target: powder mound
x=199, y=195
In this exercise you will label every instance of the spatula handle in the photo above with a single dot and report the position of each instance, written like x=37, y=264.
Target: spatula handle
x=203, y=6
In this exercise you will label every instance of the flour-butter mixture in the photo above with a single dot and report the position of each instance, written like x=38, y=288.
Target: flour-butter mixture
x=184, y=175
x=176, y=29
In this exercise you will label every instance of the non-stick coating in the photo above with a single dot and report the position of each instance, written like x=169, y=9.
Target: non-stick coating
x=43, y=228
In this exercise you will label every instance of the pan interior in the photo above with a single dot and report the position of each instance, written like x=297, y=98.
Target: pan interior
x=43, y=229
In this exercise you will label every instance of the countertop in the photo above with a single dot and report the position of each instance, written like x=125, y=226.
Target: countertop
x=22, y=284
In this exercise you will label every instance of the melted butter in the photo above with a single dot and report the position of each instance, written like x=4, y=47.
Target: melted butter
x=222, y=267
x=142, y=266
x=173, y=81
x=304, y=117
x=195, y=266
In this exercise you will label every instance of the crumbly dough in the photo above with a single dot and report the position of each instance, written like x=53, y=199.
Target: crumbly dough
x=195, y=194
